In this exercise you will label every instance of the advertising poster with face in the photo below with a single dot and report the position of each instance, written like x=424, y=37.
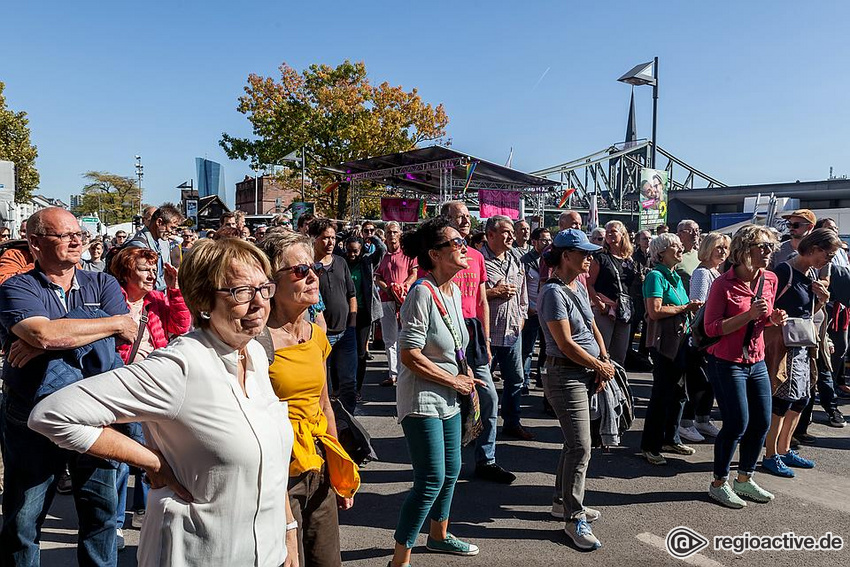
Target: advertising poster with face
x=653, y=198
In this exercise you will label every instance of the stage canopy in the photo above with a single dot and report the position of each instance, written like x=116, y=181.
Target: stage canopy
x=439, y=170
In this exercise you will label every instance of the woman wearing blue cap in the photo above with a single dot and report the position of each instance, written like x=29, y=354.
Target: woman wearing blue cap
x=577, y=364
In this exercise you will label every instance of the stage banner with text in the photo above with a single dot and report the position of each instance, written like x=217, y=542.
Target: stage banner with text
x=653, y=198
x=400, y=210
x=493, y=202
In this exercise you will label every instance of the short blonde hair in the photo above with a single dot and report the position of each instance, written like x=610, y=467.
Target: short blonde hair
x=277, y=243
x=659, y=245
x=746, y=237
x=206, y=269
x=627, y=247
x=709, y=242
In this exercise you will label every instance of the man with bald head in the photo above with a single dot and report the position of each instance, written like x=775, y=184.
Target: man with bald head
x=476, y=313
x=34, y=330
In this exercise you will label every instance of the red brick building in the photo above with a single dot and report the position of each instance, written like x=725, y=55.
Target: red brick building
x=271, y=195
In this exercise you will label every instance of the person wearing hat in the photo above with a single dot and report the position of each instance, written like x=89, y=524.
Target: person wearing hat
x=577, y=365
x=800, y=224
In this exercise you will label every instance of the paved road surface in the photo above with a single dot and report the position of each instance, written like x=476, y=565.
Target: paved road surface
x=640, y=503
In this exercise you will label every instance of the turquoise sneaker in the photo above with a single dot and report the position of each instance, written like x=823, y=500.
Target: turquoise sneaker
x=751, y=490
x=724, y=495
x=451, y=545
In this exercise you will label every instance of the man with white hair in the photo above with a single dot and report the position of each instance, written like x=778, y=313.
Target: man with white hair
x=507, y=294
x=688, y=232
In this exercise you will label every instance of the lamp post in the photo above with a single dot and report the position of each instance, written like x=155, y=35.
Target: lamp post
x=140, y=173
x=293, y=156
x=256, y=167
x=646, y=74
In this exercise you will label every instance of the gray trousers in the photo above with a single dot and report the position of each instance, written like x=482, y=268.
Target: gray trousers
x=616, y=335
x=567, y=391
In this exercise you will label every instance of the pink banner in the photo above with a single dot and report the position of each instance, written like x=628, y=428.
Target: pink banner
x=400, y=210
x=493, y=202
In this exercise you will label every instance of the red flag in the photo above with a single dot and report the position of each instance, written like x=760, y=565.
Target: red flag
x=331, y=187
x=566, y=196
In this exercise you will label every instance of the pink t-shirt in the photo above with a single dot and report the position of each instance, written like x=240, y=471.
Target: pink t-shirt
x=469, y=281
x=394, y=268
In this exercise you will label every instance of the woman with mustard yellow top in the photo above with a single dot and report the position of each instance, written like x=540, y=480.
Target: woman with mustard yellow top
x=322, y=476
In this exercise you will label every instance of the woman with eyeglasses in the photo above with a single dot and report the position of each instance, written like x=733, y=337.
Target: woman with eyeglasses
x=219, y=441
x=696, y=418
x=740, y=306
x=577, y=364
x=668, y=311
x=432, y=340
x=803, y=293
x=322, y=477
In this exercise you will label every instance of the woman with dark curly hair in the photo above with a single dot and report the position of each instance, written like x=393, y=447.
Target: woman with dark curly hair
x=433, y=339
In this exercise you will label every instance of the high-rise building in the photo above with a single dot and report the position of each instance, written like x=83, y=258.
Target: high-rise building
x=210, y=178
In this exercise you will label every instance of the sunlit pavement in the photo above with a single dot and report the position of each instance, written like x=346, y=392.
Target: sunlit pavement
x=640, y=503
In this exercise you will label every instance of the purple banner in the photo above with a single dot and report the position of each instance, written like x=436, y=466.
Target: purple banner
x=400, y=210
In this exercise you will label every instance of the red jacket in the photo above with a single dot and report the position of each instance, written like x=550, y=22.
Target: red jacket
x=167, y=315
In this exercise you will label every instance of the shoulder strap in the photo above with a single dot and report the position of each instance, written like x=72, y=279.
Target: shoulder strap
x=143, y=321
x=587, y=322
x=748, y=336
x=460, y=355
x=787, y=285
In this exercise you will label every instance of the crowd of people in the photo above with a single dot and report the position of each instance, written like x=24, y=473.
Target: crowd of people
x=212, y=368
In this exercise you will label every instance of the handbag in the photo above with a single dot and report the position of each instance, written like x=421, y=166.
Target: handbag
x=470, y=405
x=799, y=331
x=625, y=309
x=352, y=435
x=699, y=338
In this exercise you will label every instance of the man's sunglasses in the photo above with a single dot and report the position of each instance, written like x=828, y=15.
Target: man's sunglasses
x=796, y=225
x=456, y=243
x=301, y=270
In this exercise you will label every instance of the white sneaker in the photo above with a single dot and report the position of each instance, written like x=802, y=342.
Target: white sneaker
x=706, y=428
x=690, y=434
x=138, y=519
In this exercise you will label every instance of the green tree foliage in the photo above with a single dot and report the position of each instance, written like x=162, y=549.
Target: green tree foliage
x=338, y=115
x=15, y=146
x=114, y=197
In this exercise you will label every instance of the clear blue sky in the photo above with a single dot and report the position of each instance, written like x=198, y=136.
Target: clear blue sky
x=749, y=91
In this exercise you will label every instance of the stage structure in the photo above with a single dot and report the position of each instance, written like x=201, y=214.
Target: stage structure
x=613, y=175
x=438, y=174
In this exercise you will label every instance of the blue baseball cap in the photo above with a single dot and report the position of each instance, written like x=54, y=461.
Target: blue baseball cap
x=574, y=238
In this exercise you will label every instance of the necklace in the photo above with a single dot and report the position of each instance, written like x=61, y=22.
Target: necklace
x=294, y=335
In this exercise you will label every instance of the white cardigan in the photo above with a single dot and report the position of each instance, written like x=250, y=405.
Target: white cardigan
x=231, y=452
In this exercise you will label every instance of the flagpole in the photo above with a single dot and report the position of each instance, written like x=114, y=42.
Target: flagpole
x=654, y=108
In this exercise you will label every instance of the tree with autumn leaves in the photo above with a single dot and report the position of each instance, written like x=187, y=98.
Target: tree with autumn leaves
x=338, y=115
x=15, y=146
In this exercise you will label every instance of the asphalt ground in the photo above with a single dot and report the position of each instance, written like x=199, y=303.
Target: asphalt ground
x=640, y=503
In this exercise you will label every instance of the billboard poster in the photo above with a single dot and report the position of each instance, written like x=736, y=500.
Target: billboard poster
x=493, y=202
x=299, y=208
x=653, y=198
x=192, y=211
x=400, y=210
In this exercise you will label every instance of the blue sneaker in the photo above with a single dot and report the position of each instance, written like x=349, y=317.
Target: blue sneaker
x=793, y=459
x=775, y=466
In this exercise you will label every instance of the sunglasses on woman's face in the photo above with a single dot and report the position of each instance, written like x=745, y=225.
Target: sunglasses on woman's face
x=765, y=247
x=456, y=243
x=301, y=270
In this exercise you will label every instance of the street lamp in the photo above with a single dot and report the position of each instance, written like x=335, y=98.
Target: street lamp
x=293, y=156
x=256, y=167
x=646, y=74
x=140, y=173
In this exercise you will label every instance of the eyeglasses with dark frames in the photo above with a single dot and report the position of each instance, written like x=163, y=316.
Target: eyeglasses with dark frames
x=456, y=243
x=765, y=247
x=796, y=225
x=246, y=293
x=301, y=270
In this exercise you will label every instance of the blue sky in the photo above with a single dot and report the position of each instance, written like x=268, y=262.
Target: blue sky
x=750, y=92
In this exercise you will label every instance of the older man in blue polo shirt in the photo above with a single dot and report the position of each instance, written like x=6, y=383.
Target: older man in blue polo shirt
x=33, y=331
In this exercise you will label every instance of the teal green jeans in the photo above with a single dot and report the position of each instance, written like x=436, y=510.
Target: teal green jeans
x=434, y=446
